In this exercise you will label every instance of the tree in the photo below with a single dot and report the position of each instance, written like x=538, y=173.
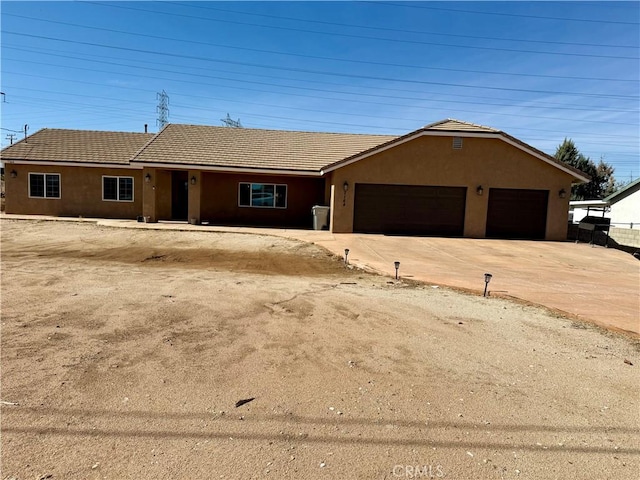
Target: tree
x=602, y=180
x=568, y=153
x=605, y=177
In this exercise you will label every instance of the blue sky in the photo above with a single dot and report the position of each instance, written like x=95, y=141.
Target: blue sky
x=540, y=71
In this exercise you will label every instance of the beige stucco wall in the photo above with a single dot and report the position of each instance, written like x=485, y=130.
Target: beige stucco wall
x=219, y=200
x=214, y=198
x=80, y=192
x=431, y=160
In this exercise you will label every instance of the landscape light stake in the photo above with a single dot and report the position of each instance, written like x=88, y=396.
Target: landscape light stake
x=487, y=279
x=397, y=265
x=346, y=256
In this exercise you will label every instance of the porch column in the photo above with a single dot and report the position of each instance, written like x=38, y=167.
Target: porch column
x=342, y=202
x=149, y=194
x=476, y=208
x=195, y=194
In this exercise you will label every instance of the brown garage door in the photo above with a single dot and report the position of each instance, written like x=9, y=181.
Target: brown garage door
x=409, y=209
x=517, y=214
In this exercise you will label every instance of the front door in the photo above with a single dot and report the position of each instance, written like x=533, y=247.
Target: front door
x=179, y=195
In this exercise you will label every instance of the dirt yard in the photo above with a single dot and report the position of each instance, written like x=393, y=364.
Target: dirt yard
x=124, y=353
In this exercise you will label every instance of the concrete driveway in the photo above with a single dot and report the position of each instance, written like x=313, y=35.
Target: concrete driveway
x=592, y=283
x=596, y=284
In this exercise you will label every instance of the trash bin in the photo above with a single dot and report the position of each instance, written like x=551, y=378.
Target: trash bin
x=320, y=217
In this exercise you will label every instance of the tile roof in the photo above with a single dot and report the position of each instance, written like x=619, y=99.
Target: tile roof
x=238, y=148
x=250, y=148
x=84, y=146
x=452, y=125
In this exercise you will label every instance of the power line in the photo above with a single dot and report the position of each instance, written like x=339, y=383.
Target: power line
x=119, y=114
x=92, y=108
x=318, y=57
x=318, y=72
x=539, y=17
x=359, y=93
x=361, y=96
x=472, y=111
x=282, y=106
x=332, y=34
x=395, y=30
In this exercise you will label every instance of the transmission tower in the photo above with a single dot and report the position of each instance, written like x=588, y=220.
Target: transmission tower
x=229, y=122
x=162, y=109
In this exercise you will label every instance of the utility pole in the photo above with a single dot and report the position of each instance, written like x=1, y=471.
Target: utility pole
x=162, y=109
x=10, y=137
x=229, y=122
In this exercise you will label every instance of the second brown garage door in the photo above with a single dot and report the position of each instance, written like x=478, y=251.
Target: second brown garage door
x=409, y=210
x=517, y=214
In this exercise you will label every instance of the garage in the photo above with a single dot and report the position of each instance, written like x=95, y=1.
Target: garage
x=517, y=214
x=409, y=209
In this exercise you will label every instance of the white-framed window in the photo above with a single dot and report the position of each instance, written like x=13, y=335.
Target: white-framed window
x=44, y=185
x=117, y=189
x=262, y=195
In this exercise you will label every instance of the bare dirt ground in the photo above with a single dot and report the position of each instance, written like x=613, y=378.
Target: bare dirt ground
x=124, y=353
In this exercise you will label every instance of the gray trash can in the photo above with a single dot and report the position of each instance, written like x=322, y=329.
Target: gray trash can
x=320, y=217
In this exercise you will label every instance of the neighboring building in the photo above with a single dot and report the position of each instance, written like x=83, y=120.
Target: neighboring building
x=621, y=207
x=625, y=215
x=624, y=206
x=450, y=178
x=578, y=209
x=620, y=210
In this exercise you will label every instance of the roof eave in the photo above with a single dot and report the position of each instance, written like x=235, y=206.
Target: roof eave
x=588, y=203
x=229, y=169
x=70, y=163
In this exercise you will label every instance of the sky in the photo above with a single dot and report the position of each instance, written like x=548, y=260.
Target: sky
x=540, y=71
